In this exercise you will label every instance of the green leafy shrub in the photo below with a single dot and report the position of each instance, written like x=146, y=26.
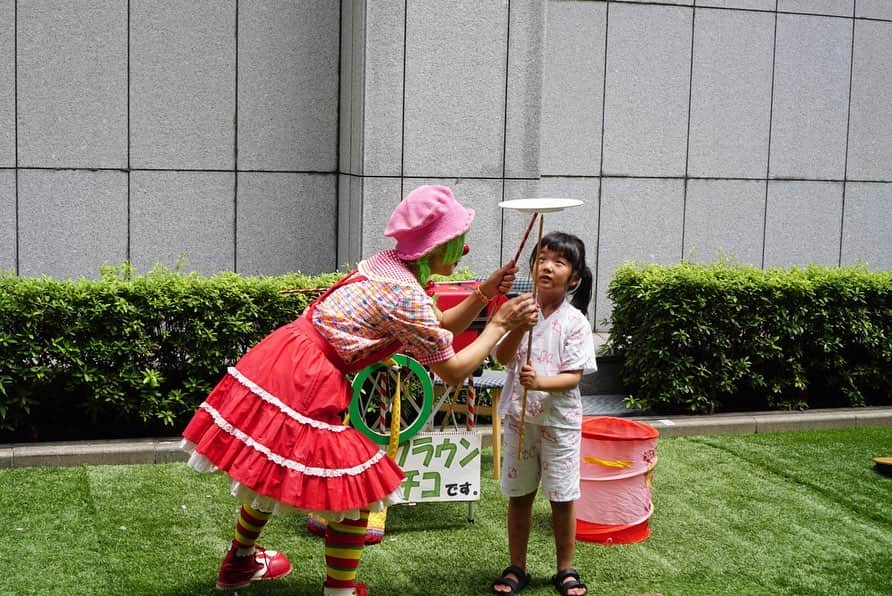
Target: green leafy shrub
x=128, y=354
x=727, y=337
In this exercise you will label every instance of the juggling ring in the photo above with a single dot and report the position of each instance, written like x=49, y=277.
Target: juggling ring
x=370, y=392
x=537, y=207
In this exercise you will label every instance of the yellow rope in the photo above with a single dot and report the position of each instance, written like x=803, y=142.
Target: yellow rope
x=394, y=441
x=610, y=463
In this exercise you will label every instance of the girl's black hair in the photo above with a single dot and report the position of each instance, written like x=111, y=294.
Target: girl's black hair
x=572, y=249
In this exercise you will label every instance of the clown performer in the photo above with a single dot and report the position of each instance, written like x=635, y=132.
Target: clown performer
x=274, y=423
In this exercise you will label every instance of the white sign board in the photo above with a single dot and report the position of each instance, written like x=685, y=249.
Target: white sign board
x=441, y=466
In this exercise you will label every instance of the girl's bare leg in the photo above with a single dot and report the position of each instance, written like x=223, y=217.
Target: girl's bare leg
x=563, y=523
x=520, y=520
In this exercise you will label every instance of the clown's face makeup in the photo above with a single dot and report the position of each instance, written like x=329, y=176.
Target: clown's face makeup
x=440, y=267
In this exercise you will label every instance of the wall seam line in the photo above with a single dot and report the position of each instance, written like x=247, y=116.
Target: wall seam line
x=601, y=167
x=129, y=250
x=15, y=78
x=687, y=148
x=845, y=168
x=770, y=127
x=505, y=130
x=337, y=154
x=403, y=111
x=235, y=150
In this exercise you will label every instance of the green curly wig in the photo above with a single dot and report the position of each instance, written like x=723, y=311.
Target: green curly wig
x=450, y=251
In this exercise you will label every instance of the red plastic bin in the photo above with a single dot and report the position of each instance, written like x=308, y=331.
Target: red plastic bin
x=616, y=471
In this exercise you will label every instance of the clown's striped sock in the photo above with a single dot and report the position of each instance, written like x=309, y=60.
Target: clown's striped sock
x=343, y=548
x=247, y=528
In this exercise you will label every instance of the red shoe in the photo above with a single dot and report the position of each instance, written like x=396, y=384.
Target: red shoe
x=356, y=590
x=239, y=571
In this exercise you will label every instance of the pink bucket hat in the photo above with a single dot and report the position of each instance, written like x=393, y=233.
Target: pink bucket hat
x=426, y=218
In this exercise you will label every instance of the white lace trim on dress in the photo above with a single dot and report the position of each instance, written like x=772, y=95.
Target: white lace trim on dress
x=264, y=503
x=244, y=494
x=224, y=424
x=273, y=400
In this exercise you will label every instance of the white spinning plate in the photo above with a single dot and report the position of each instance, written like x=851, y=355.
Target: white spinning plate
x=543, y=205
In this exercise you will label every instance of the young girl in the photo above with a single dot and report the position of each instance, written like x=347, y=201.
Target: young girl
x=562, y=351
x=274, y=423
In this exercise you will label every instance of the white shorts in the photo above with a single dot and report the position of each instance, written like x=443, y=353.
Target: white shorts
x=550, y=456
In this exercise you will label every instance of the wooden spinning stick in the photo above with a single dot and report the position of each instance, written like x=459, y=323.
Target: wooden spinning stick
x=525, y=234
x=523, y=401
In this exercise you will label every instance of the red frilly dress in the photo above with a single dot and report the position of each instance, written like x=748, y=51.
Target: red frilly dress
x=274, y=423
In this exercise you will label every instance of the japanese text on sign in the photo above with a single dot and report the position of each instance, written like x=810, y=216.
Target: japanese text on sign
x=442, y=466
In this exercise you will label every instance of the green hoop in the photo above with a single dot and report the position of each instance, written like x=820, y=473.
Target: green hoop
x=363, y=404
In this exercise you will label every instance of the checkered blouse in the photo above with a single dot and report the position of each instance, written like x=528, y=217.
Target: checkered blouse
x=388, y=305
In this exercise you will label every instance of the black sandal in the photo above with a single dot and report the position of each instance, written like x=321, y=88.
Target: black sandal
x=565, y=587
x=514, y=585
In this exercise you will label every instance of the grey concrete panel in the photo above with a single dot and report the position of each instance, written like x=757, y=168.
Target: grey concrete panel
x=839, y=8
x=288, y=85
x=524, y=95
x=580, y=221
x=455, y=95
x=71, y=222
x=346, y=87
x=356, y=79
x=7, y=221
x=874, y=9
x=189, y=214
x=382, y=112
x=573, y=88
x=803, y=221
x=641, y=221
x=731, y=94
x=745, y=4
x=182, y=84
x=870, y=117
x=352, y=86
x=7, y=83
x=867, y=227
x=378, y=199
x=811, y=94
x=349, y=220
x=648, y=82
x=72, y=84
x=724, y=218
x=483, y=196
x=286, y=222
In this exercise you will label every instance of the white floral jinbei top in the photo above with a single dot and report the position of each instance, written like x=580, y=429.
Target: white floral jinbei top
x=562, y=342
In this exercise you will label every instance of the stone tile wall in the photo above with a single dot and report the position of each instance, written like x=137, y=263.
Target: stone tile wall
x=153, y=129
x=270, y=136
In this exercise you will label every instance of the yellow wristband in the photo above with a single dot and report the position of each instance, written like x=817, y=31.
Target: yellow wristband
x=483, y=297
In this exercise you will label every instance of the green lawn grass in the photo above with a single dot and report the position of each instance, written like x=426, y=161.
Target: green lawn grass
x=781, y=513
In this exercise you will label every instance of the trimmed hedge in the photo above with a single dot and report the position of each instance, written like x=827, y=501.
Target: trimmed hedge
x=128, y=355
x=727, y=337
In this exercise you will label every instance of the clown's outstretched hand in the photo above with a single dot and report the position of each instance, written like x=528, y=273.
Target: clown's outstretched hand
x=500, y=281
